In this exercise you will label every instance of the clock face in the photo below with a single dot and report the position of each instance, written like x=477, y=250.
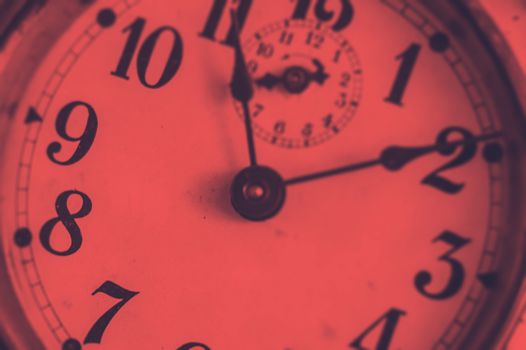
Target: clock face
x=366, y=212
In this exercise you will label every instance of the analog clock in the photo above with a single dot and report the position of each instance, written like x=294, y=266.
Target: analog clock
x=285, y=175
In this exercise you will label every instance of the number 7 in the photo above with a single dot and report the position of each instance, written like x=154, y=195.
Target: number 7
x=115, y=291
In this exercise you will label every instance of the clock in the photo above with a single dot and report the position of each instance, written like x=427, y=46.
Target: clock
x=243, y=174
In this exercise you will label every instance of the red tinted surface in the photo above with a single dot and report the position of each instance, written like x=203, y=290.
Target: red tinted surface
x=384, y=255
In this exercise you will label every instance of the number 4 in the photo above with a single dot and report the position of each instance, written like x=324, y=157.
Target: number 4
x=115, y=291
x=390, y=321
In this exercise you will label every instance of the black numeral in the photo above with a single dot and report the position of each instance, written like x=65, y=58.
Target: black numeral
x=280, y=127
x=307, y=130
x=85, y=140
x=345, y=79
x=217, y=13
x=193, y=346
x=456, y=279
x=115, y=291
x=145, y=54
x=328, y=121
x=341, y=102
x=265, y=50
x=286, y=37
x=469, y=149
x=315, y=40
x=344, y=19
x=68, y=220
x=408, y=58
x=390, y=321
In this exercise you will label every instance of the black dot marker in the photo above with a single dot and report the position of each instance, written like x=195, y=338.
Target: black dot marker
x=492, y=152
x=71, y=344
x=489, y=280
x=106, y=18
x=439, y=42
x=23, y=237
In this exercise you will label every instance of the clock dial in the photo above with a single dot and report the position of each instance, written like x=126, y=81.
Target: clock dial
x=293, y=64
x=140, y=211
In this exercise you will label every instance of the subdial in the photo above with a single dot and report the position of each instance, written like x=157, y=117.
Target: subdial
x=308, y=83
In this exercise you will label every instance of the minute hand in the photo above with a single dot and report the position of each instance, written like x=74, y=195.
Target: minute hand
x=241, y=88
x=392, y=158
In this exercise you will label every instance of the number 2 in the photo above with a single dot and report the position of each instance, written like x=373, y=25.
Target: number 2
x=467, y=153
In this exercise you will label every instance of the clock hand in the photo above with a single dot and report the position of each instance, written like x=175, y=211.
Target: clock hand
x=320, y=75
x=295, y=79
x=241, y=88
x=268, y=81
x=393, y=158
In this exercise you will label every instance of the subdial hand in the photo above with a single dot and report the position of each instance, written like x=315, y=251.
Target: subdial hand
x=394, y=158
x=295, y=79
x=242, y=90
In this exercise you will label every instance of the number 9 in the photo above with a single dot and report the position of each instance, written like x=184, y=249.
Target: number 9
x=85, y=141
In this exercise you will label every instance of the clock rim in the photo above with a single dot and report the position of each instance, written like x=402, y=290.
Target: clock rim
x=15, y=329
x=507, y=78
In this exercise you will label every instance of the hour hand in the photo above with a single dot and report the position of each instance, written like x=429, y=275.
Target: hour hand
x=268, y=81
x=320, y=76
x=241, y=89
x=241, y=85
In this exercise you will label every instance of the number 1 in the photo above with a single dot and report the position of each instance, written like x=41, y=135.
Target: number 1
x=409, y=58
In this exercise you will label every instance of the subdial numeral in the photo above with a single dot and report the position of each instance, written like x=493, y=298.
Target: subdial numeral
x=315, y=40
x=265, y=50
x=286, y=37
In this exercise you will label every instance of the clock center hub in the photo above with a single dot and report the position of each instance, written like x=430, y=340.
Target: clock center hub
x=257, y=193
x=254, y=191
x=296, y=79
